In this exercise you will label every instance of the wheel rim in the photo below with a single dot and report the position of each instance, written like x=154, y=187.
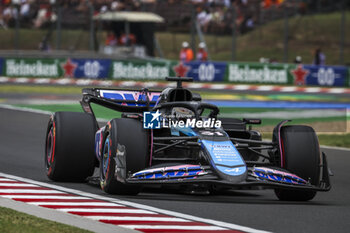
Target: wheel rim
x=105, y=158
x=50, y=147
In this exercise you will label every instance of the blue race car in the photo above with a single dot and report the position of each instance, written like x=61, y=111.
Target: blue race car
x=173, y=138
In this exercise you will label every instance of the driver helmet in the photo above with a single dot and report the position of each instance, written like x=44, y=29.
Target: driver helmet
x=181, y=113
x=164, y=95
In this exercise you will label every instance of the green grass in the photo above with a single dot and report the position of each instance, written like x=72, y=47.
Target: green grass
x=100, y=112
x=338, y=140
x=13, y=221
x=306, y=34
x=35, y=89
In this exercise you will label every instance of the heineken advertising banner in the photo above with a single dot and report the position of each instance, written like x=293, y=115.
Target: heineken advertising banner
x=72, y=68
x=149, y=70
x=207, y=71
x=323, y=75
x=249, y=73
x=32, y=67
x=158, y=70
x=259, y=73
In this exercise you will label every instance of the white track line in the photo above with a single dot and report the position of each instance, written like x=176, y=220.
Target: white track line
x=4, y=80
x=128, y=83
x=23, y=109
x=84, y=82
x=175, y=227
x=336, y=90
x=22, y=80
x=288, y=89
x=140, y=206
x=5, y=179
x=157, y=219
x=44, y=197
x=150, y=84
x=64, y=81
x=195, y=85
x=106, y=83
x=16, y=185
x=76, y=204
x=14, y=191
x=42, y=81
x=265, y=88
x=313, y=90
x=117, y=211
x=241, y=87
x=218, y=86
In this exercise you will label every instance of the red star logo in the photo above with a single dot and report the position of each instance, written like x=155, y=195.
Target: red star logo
x=299, y=75
x=69, y=68
x=181, y=70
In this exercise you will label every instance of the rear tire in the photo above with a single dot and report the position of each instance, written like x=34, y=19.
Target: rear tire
x=69, y=151
x=126, y=139
x=302, y=157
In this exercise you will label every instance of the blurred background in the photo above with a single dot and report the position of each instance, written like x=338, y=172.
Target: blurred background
x=233, y=30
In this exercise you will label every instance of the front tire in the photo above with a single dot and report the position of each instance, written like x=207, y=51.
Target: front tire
x=125, y=141
x=69, y=151
x=302, y=157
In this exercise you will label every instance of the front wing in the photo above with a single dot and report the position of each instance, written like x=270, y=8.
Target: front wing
x=257, y=176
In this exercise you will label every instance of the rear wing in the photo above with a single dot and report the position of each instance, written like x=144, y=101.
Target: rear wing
x=135, y=101
x=124, y=100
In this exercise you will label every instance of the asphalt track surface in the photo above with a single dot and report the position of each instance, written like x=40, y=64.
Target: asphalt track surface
x=22, y=136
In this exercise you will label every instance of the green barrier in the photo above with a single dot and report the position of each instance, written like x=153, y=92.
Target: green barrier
x=259, y=73
x=29, y=67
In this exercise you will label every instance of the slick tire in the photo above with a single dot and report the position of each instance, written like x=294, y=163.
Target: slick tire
x=69, y=150
x=302, y=156
x=126, y=139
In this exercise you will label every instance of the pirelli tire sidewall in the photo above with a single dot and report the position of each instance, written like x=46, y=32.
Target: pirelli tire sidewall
x=69, y=147
x=302, y=156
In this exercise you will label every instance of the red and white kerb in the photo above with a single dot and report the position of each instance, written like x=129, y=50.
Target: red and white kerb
x=100, y=210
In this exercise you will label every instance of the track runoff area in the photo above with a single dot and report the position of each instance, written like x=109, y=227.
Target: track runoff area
x=109, y=210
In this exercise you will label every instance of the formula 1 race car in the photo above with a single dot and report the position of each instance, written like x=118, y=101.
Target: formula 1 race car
x=173, y=138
